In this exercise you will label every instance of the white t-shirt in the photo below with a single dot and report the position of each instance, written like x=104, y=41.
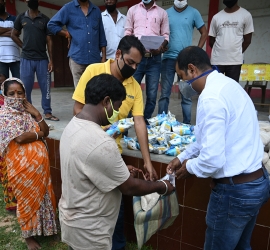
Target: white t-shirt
x=91, y=170
x=229, y=29
x=113, y=31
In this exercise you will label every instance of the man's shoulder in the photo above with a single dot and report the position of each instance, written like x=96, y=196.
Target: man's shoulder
x=44, y=16
x=160, y=9
x=243, y=11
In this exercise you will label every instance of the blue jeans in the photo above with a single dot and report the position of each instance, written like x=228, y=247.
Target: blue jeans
x=118, y=239
x=167, y=79
x=232, y=212
x=40, y=67
x=150, y=67
x=14, y=67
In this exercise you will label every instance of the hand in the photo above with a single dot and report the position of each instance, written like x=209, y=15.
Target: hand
x=30, y=108
x=182, y=173
x=103, y=59
x=69, y=37
x=151, y=173
x=115, y=134
x=155, y=52
x=50, y=66
x=173, y=165
x=134, y=171
x=171, y=188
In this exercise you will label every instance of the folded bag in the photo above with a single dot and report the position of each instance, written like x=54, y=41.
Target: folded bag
x=160, y=216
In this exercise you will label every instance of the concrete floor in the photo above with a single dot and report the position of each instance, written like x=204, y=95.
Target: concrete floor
x=62, y=106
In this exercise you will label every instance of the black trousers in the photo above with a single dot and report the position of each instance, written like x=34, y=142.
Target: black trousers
x=232, y=71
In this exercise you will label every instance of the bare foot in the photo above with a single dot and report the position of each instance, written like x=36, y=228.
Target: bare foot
x=32, y=244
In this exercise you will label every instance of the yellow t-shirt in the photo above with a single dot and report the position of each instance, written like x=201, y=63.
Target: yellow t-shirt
x=134, y=98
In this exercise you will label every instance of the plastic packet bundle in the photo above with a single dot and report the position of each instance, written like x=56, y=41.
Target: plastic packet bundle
x=120, y=126
x=175, y=150
x=187, y=139
x=165, y=127
x=157, y=120
x=176, y=141
x=161, y=139
x=159, y=149
x=152, y=138
x=182, y=129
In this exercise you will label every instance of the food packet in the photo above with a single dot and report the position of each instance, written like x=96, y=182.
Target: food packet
x=187, y=139
x=157, y=120
x=120, y=126
x=159, y=149
x=175, y=150
x=165, y=127
x=176, y=141
x=182, y=129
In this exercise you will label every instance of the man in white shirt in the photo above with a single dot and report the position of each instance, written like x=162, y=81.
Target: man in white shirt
x=228, y=148
x=230, y=35
x=114, y=27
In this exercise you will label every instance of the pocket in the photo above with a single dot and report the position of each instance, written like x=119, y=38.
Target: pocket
x=242, y=210
x=95, y=24
x=155, y=25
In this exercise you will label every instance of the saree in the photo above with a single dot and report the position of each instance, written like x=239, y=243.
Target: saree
x=28, y=170
x=9, y=197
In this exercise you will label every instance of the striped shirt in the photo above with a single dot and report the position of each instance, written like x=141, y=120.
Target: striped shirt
x=9, y=50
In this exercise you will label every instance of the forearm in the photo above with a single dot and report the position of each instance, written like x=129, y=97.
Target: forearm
x=245, y=46
x=50, y=49
x=63, y=33
x=28, y=137
x=16, y=39
x=4, y=30
x=137, y=187
x=42, y=125
x=103, y=51
x=203, y=37
x=6, y=34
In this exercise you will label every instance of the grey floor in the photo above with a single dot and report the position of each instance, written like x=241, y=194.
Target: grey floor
x=62, y=106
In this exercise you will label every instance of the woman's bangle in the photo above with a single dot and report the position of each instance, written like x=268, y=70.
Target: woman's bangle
x=40, y=120
x=166, y=187
x=36, y=135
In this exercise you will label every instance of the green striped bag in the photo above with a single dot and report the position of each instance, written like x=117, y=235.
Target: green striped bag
x=161, y=216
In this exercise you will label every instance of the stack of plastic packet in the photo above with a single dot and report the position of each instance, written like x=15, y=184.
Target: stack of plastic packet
x=120, y=126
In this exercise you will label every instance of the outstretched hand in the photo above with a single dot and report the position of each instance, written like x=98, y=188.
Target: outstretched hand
x=174, y=165
x=151, y=173
x=182, y=173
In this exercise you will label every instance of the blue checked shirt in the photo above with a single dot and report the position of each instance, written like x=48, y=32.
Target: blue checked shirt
x=88, y=36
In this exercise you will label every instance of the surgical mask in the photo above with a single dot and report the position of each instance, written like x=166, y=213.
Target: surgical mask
x=146, y=1
x=180, y=4
x=127, y=71
x=110, y=8
x=114, y=116
x=32, y=4
x=185, y=87
x=230, y=3
x=2, y=9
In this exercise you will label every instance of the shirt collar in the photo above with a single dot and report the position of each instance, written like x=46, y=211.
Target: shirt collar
x=119, y=15
x=26, y=14
x=154, y=5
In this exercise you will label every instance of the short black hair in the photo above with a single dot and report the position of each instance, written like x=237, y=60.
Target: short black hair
x=194, y=55
x=127, y=42
x=104, y=85
x=8, y=83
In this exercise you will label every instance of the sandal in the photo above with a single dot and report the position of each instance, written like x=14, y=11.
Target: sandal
x=52, y=118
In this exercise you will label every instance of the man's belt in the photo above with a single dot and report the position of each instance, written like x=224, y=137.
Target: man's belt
x=148, y=54
x=241, y=178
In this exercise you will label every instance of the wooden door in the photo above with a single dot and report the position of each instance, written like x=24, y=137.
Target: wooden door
x=62, y=73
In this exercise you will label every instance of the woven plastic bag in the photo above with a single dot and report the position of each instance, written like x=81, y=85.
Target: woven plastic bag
x=161, y=216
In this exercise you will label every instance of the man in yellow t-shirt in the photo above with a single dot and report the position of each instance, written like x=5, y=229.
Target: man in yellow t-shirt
x=128, y=55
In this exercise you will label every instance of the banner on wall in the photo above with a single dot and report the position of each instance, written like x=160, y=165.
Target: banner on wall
x=255, y=72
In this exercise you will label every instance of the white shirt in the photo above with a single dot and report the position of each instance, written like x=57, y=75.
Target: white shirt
x=9, y=50
x=113, y=31
x=229, y=29
x=227, y=131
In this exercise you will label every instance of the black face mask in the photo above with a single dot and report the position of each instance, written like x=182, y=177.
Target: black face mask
x=32, y=4
x=2, y=9
x=127, y=71
x=230, y=3
x=83, y=1
x=111, y=8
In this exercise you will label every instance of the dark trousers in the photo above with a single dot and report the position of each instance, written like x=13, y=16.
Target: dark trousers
x=232, y=71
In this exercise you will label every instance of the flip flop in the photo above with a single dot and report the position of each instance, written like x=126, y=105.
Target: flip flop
x=52, y=118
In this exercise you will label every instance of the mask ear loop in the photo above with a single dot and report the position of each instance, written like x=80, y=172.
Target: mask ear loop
x=214, y=67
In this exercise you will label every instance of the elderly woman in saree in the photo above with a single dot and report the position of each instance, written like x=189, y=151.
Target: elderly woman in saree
x=22, y=129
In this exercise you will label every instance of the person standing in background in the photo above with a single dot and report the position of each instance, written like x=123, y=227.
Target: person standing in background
x=114, y=26
x=85, y=34
x=9, y=50
x=230, y=35
x=148, y=19
x=34, y=58
x=182, y=19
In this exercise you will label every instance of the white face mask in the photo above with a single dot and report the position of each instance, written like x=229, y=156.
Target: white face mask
x=146, y=1
x=180, y=4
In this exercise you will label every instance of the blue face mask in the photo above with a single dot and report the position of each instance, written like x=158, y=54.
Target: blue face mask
x=186, y=86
